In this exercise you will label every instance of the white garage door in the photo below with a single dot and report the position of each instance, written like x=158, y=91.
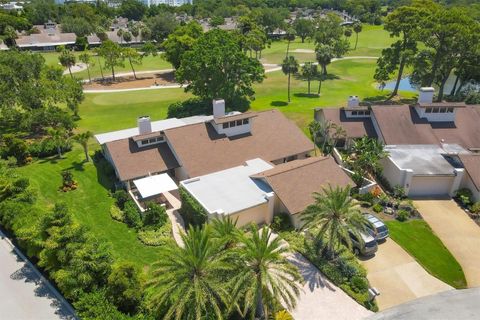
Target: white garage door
x=430, y=186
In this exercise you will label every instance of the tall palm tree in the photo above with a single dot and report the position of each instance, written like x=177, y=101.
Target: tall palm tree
x=265, y=277
x=289, y=67
x=67, y=59
x=309, y=71
x=187, y=282
x=59, y=137
x=87, y=60
x=290, y=36
x=82, y=139
x=334, y=214
x=368, y=153
x=315, y=129
x=357, y=27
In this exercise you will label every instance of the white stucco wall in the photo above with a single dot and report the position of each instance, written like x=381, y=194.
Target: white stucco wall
x=258, y=214
x=468, y=183
x=392, y=173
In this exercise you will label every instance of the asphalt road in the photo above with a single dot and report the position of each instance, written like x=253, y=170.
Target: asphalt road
x=24, y=293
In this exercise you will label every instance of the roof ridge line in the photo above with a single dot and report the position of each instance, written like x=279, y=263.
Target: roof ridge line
x=300, y=166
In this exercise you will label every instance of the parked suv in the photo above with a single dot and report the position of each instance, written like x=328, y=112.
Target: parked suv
x=366, y=247
x=380, y=230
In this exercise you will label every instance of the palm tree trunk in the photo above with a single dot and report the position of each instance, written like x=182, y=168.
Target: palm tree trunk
x=460, y=87
x=289, y=87
x=101, y=70
x=441, y=89
x=356, y=40
x=315, y=143
x=399, y=78
x=319, y=85
x=131, y=65
x=308, y=86
x=288, y=49
x=88, y=71
x=85, y=149
x=259, y=309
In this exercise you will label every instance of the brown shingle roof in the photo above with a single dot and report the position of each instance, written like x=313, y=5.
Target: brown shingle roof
x=46, y=37
x=355, y=127
x=296, y=181
x=201, y=150
x=402, y=125
x=471, y=162
x=134, y=162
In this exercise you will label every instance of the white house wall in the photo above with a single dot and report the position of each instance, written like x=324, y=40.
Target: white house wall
x=468, y=183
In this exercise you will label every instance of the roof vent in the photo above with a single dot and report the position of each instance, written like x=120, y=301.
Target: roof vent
x=426, y=95
x=144, y=125
x=353, y=102
x=218, y=108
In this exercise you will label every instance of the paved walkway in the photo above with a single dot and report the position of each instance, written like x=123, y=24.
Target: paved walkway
x=398, y=277
x=178, y=225
x=449, y=305
x=24, y=293
x=459, y=233
x=320, y=299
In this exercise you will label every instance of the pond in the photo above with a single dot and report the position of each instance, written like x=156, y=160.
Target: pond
x=405, y=85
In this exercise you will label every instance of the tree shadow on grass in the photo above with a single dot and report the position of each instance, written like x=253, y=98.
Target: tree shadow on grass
x=77, y=166
x=306, y=95
x=279, y=103
x=105, y=173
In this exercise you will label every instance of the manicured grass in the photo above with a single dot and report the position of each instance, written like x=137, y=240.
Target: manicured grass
x=418, y=239
x=148, y=63
x=371, y=41
x=90, y=203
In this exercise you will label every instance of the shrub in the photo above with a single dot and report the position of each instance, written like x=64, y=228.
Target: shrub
x=402, y=215
x=475, y=208
x=47, y=148
x=465, y=196
x=155, y=215
x=116, y=213
x=156, y=237
x=14, y=147
x=188, y=108
x=124, y=287
x=68, y=183
x=120, y=196
x=367, y=198
x=399, y=192
x=357, y=178
x=281, y=222
x=359, y=284
x=377, y=207
x=192, y=212
x=132, y=215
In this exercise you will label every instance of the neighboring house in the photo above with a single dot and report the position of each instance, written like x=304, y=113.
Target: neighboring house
x=426, y=140
x=257, y=190
x=50, y=36
x=232, y=163
x=173, y=3
x=94, y=40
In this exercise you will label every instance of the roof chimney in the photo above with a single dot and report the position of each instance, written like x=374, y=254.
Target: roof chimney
x=426, y=95
x=353, y=102
x=218, y=108
x=144, y=125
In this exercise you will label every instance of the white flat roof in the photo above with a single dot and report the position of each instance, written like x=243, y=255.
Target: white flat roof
x=156, y=126
x=230, y=190
x=155, y=185
x=421, y=159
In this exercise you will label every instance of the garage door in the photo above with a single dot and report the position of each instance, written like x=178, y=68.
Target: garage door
x=430, y=186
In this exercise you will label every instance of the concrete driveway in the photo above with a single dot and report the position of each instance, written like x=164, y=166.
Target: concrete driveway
x=24, y=293
x=459, y=233
x=320, y=299
x=398, y=277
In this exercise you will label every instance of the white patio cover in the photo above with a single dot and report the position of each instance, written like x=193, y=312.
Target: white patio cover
x=154, y=185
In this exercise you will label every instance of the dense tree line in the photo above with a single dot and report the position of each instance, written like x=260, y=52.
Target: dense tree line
x=434, y=41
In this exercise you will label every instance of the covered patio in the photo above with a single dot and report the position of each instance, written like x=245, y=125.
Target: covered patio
x=155, y=189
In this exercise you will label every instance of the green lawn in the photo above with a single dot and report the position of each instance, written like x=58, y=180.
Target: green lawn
x=418, y=239
x=371, y=41
x=148, y=63
x=90, y=203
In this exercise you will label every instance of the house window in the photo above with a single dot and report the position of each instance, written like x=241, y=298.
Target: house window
x=443, y=110
x=435, y=110
x=152, y=140
x=239, y=122
x=354, y=113
x=367, y=113
x=144, y=142
x=225, y=125
x=450, y=110
x=245, y=121
x=428, y=110
x=232, y=124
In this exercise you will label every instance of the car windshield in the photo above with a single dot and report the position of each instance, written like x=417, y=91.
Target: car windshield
x=370, y=244
x=382, y=229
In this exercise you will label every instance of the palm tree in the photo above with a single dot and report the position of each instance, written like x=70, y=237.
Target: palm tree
x=368, y=153
x=309, y=71
x=133, y=57
x=265, y=277
x=86, y=59
x=67, y=59
x=290, y=36
x=187, y=282
x=289, y=67
x=82, y=139
x=334, y=214
x=120, y=34
x=357, y=27
x=315, y=129
x=226, y=231
x=59, y=137
x=324, y=54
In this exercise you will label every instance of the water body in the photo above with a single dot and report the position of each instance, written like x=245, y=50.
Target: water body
x=405, y=85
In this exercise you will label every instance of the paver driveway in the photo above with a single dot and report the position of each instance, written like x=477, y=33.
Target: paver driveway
x=320, y=299
x=24, y=293
x=458, y=233
x=398, y=277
